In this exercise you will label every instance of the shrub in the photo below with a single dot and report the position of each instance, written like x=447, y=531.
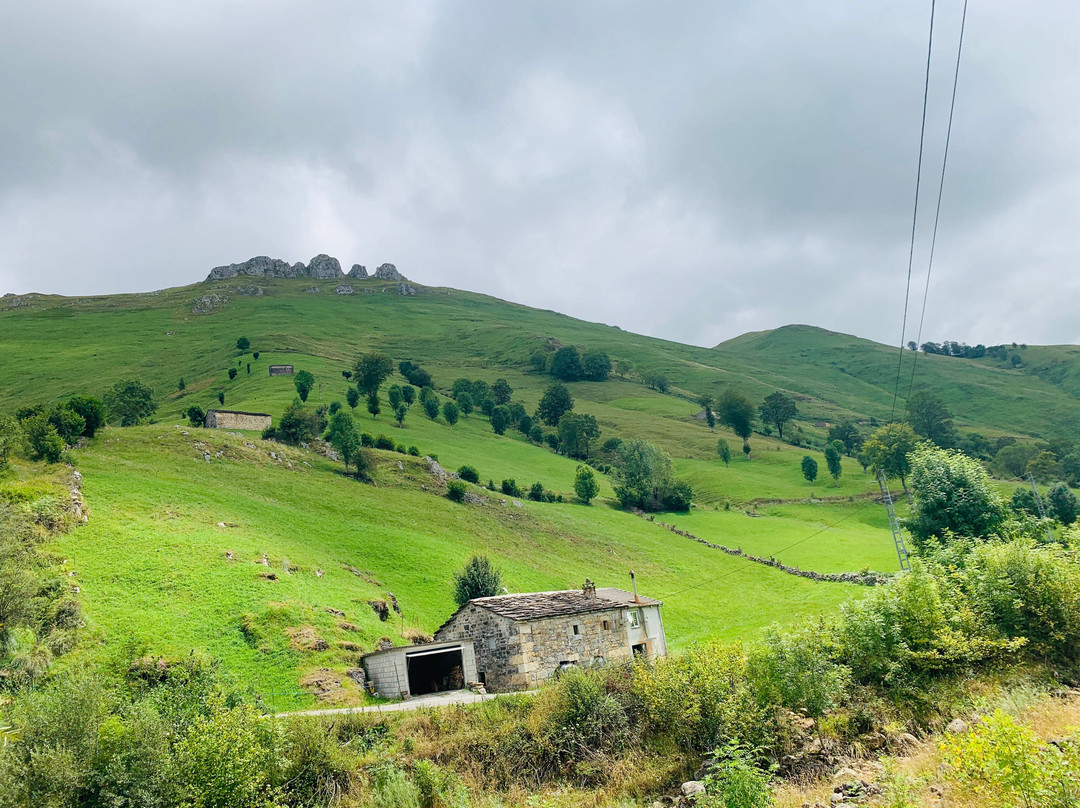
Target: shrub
x=1063, y=503
x=69, y=424
x=536, y=492
x=734, y=781
x=952, y=494
x=11, y=436
x=317, y=769
x=303, y=381
x=400, y=449
x=232, y=373
x=383, y=442
x=469, y=474
x=536, y=434
x=334, y=407
x=42, y=439
x=1005, y=764
x=585, y=485
x=455, y=491
x=414, y=452
x=510, y=488
x=195, y=415
x=366, y=440
x=92, y=410
x=243, y=344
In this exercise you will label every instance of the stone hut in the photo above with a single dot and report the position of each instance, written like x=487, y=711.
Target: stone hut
x=522, y=640
x=234, y=419
x=281, y=370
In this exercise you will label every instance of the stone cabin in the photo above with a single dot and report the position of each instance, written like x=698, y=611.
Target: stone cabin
x=520, y=641
x=233, y=419
x=281, y=370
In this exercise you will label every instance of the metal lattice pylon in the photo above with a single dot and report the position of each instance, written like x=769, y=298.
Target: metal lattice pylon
x=1039, y=504
x=894, y=523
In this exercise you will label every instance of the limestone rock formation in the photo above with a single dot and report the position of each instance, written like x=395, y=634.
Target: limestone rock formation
x=207, y=303
x=358, y=271
x=323, y=267
x=260, y=266
x=388, y=272
x=343, y=289
x=406, y=289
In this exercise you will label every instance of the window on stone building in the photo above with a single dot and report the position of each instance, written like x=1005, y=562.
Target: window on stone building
x=577, y=628
x=635, y=618
x=607, y=625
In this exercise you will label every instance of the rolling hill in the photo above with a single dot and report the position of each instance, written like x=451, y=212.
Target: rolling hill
x=188, y=525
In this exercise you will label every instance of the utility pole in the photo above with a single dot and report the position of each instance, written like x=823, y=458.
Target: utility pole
x=1039, y=504
x=894, y=523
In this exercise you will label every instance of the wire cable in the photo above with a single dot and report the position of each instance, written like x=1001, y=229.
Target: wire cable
x=941, y=186
x=915, y=213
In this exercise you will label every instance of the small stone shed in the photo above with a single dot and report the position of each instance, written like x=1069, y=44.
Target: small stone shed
x=281, y=370
x=415, y=670
x=234, y=419
x=522, y=640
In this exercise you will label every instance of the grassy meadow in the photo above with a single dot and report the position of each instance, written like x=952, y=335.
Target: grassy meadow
x=152, y=563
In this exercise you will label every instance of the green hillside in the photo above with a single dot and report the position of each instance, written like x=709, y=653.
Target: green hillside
x=152, y=563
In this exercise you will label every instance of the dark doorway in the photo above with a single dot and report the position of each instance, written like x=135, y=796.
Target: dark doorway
x=435, y=671
x=640, y=649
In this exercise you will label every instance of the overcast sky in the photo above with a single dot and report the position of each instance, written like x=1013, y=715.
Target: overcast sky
x=686, y=170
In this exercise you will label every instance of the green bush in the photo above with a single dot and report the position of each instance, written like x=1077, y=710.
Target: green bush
x=735, y=782
x=383, y=442
x=455, y=491
x=510, y=488
x=469, y=474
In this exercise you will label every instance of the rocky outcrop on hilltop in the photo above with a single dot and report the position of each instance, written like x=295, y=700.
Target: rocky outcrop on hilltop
x=388, y=272
x=261, y=266
x=324, y=267
x=321, y=267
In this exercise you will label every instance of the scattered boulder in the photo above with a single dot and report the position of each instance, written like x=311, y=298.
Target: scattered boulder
x=384, y=644
x=692, y=788
x=380, y=608
x=406, y=289
x=337, y=612
x=345, y=626
x=417, y=637
x=343, y=289
x=250, y=291
x=435, y=468
x=956, y=726
x=473, y=499
x=345, y=645
x=358, y=271
x=323, y=266
x=207, y=303
x=388, y=272
x=357, y=675
x=312, y=290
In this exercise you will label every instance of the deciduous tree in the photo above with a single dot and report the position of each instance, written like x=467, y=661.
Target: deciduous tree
x=724, y=451
x=809, y=469
x=352, y=397
x=450, y=412
x=735, y=411
x=371, y=370
x=832, y=460
x=565, y=364
x=431, y=406
x=776, y=410
x=304, y=382
x=888, y=448
x=129, y=402
x=501, y=391
x=930, y=419
x=952, y=495
x=554, y=404
x=344, y=436
x=373, y=405
x=595, y=366
x=575, y=434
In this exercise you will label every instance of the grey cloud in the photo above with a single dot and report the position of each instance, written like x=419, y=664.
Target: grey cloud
x=690, y=171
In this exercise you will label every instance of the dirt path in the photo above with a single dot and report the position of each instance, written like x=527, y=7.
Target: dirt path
x=452, y=697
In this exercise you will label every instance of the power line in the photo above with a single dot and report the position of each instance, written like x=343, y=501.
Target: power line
x=915, y=213
x=941, y=186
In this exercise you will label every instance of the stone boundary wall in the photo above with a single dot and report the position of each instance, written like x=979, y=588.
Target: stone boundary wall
x=860, y=578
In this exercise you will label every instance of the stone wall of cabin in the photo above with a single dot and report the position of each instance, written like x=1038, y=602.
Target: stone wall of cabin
x=255, y=422
x=522, y=655
x=496, y=644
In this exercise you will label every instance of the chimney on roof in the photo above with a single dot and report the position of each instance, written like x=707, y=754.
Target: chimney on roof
x=589, y=590
x=633, y=585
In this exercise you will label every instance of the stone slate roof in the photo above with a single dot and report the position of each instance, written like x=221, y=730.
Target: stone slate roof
x=538, y=605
